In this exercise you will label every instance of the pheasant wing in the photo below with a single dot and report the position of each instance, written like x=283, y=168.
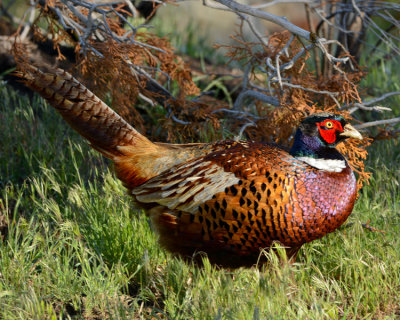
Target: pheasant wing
x=186, y=186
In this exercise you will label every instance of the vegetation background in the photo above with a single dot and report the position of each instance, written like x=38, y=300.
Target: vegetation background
x=73, y=247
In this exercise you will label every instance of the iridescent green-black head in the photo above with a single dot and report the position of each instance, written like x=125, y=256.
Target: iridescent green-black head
x=320, y=131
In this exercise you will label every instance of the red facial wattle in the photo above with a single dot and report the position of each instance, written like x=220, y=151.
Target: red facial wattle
x=328, y=129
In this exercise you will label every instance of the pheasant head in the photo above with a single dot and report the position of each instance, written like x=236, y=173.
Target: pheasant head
x=317, y=137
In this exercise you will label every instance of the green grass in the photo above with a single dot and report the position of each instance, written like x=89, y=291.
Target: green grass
x=74, y=246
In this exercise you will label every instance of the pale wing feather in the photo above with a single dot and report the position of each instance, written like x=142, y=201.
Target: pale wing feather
x=186, y=186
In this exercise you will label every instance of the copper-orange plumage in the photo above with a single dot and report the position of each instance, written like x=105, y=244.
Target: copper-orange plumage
x=228, y=199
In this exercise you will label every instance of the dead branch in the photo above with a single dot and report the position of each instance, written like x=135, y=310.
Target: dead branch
x=244, y=127
x=275, y=2
x=383, y=97
x=239, y=114
x=360, y=106
x=378, y=123
x=256, y=95
x=280, y=21
x=367, y=105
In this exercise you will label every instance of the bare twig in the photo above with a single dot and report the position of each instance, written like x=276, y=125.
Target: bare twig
x=256, y=95
x=377, y=123
x=320, y=14
x=312, y=29
x=31, y=13
x=238, y=114
x=274, y=2
x=253, y=28
x=366, y=105
x=383, y=97
x=244, y=127
x=281, y=21
x=331, y=94
x=180, y=121
x=357, y=106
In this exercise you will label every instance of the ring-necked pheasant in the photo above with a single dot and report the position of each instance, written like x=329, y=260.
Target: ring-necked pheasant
x=228, y=199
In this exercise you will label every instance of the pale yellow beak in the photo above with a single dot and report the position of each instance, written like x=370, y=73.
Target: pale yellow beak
x=351, y=132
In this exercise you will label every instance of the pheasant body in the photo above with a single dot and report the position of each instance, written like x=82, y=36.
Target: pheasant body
x=267, y=195
x=228, y=199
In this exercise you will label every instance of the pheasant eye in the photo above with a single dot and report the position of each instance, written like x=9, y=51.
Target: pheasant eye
x=329, y=124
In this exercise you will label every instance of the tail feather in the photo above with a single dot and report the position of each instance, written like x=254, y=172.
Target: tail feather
x=136, y=158
x=84, y=111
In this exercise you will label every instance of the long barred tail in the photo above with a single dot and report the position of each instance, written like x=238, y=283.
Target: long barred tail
x=85, y=112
